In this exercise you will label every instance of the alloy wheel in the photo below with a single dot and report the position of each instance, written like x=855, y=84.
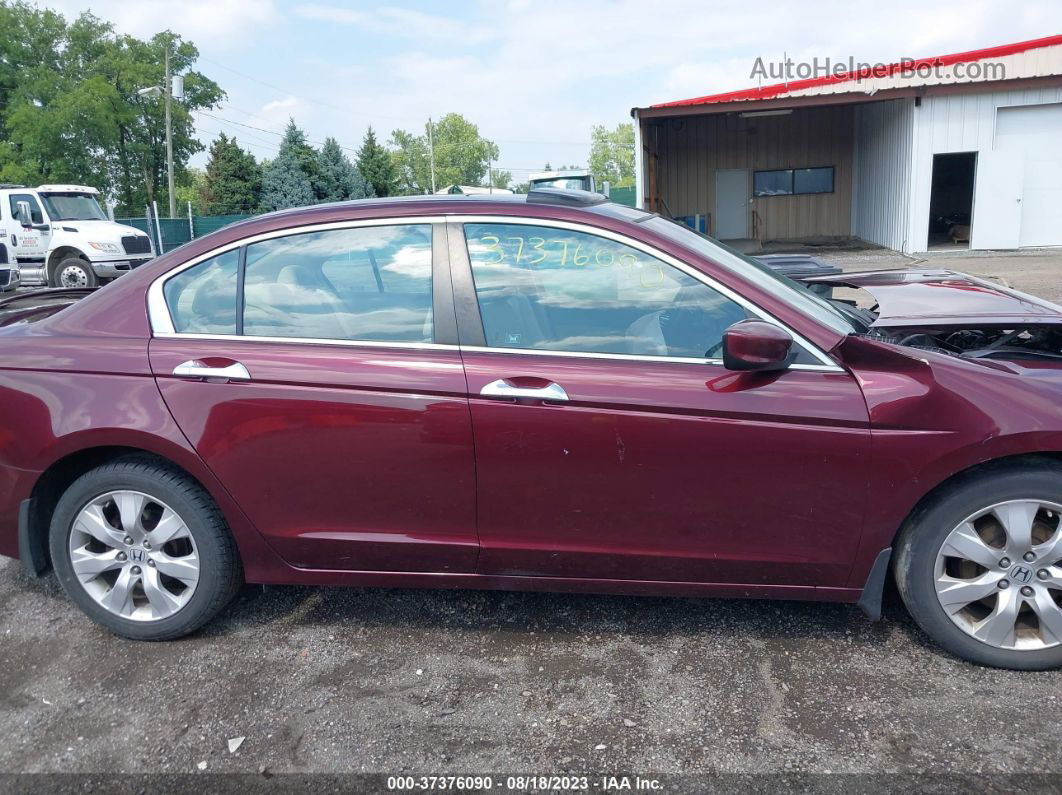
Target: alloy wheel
x=134, y=555
x=998, y=575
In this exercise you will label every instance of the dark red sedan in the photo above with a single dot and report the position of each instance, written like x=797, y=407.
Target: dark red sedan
x=546, y=392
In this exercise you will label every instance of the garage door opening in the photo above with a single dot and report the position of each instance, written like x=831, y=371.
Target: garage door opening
x=951, y=200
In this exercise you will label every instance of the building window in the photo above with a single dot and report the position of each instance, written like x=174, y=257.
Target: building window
x=793, y=181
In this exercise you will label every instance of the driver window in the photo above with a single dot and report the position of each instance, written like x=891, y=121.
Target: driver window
x=35, y=209
x=544, y=288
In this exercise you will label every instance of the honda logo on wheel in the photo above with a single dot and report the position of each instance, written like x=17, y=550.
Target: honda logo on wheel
x=136, y=555
x=1021, y=573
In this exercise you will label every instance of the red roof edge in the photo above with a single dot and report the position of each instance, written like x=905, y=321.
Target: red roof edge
x=765, y=92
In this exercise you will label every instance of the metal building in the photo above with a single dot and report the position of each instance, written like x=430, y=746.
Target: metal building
x=961, y=150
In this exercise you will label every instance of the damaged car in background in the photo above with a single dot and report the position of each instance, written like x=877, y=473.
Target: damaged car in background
x=539, y=392
x=953, y=313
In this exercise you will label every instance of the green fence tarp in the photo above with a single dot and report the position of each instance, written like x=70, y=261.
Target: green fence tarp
x=177, y=231
x=622, y=195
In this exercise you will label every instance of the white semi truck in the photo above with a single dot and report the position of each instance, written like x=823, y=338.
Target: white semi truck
x=60, y=236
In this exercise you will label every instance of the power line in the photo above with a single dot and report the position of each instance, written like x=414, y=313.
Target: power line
x=341, y=146
x=347, y=109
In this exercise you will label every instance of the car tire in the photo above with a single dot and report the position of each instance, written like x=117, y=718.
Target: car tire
x=73, y=272
x=936, y=571
x=147, y=592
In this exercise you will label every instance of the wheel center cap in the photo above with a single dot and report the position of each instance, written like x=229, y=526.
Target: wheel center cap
x=137, y=555
x=1021, y=573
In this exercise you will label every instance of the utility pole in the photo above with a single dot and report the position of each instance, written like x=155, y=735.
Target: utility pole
x=169, y=135
x=490, y=174
x=431, y=154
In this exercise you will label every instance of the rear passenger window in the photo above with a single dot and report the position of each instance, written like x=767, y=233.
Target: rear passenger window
x=369, y=283
x=202, y=299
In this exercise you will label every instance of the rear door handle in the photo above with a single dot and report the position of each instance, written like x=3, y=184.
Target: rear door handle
x=503, y=389
x=194, y=368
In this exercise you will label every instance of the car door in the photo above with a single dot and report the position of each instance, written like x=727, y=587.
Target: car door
x=610, y=441
x=317, y=373
x=29, y=244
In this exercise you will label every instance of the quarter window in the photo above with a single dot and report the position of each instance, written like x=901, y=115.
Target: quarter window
x=544, y=288
x=202, y=299
x=365, y=283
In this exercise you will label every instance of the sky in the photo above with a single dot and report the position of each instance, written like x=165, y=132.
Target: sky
x=534, y=75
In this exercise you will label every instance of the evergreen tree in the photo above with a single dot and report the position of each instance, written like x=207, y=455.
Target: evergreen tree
x=294, y=143
x=376, y=166
x=285, y=184
x=338, y=180
x=233, y=179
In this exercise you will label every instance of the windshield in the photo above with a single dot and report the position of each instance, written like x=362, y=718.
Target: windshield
x=73, y=207
x=765, y=277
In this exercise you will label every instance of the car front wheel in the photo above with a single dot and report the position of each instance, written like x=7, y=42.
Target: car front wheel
x=143, y=550
x=980, y=568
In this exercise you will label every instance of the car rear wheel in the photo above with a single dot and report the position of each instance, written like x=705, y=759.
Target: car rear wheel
x=73, y=272
x=980, y=568
x=143, y=550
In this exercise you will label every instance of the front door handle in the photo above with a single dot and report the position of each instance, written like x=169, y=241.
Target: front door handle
x=194, y=368
x=504, y=389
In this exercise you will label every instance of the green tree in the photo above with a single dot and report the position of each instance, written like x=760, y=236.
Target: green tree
x=192, y=190
x=500, y=179
x=233, y=181
x=612, y=154
x=409, y=158
x=71, y=112
x=461, y=154
x=295, y=144
x=375, y=165
x=285, y=184
x=338, y=180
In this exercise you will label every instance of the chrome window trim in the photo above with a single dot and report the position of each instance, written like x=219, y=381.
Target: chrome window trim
x=633, y=357
x=828, y=364
x=159, y=317
x=430, y=346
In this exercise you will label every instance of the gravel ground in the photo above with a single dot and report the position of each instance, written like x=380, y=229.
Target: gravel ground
x=399, y=682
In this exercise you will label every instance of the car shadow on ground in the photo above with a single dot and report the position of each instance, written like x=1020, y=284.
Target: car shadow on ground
x=532, y=614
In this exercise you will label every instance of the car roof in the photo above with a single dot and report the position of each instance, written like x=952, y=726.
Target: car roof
x=572, y=200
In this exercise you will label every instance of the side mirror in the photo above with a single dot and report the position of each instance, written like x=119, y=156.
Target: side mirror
x=25, y=217
x=757, y=345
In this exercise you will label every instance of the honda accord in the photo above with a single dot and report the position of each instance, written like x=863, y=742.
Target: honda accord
x=542, y=392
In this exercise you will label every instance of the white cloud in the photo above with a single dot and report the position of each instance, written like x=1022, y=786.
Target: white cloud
x=217, y=23
x=325, y=13
x=397, y=21
x=274, y=114
x=535, y=75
